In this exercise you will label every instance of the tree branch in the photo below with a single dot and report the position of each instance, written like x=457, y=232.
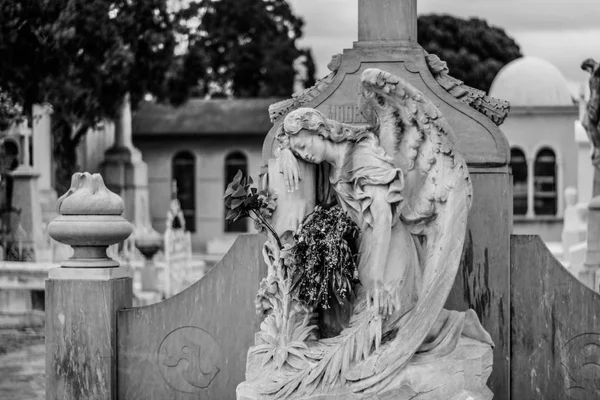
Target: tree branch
x=79, y=133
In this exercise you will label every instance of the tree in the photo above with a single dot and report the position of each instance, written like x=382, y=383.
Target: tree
x=9, y=111
x=474, y=51
x=83, y=56
x=248, y=48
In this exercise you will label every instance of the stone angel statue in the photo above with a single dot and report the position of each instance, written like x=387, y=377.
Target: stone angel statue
x=591, y=117
x=401, y=181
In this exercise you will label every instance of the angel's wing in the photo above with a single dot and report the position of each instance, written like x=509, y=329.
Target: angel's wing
x=413, y=131
x=437, y=197
x=591, y=118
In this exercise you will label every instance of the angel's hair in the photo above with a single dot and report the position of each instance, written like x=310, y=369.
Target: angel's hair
x=315, y=122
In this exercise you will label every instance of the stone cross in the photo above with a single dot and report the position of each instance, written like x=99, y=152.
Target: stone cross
x=387, y=22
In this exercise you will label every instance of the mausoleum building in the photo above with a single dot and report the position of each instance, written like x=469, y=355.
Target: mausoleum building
x=201, y=145
x=540, y=130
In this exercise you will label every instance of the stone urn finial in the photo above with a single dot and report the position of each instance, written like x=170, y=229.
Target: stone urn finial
x=89, y=221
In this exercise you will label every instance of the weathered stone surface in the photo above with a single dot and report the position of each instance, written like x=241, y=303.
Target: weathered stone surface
x=460, y=375
x=89, y=221
x=82, y=300
x=193, y=345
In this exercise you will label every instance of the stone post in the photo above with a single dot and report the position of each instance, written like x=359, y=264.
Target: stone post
x=84, y=294
x=387, y=22
x=530, y=187
x=42, y=158
x=125, y=172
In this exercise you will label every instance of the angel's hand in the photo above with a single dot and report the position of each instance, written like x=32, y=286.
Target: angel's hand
x=381, y=301
x=290, y=169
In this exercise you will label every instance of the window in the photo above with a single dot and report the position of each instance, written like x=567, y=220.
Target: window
x=545, y=187
x=518, y=164
x=184, y=174
x=235, y=162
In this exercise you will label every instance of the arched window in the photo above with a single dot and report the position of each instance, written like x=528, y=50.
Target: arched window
x=545, y=187
x=518, y=164
x=184, y=174
x=235, y=162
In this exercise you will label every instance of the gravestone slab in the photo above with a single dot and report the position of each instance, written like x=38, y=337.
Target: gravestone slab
x=193, y=345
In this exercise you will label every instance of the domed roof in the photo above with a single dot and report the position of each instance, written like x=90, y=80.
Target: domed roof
x=530, y=81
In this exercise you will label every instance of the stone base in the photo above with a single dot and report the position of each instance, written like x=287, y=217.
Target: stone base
x=461, y=375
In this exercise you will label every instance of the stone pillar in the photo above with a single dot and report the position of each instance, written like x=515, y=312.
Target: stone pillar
x=42, y=159
x=125, y=172
x=387, y=22
x=575, y=225
x=84, y=294
x=530, y=187
x=585, y=169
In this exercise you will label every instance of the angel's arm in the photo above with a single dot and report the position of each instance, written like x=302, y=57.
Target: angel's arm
x=290, y=169
x=378, y=296
x=288, y=162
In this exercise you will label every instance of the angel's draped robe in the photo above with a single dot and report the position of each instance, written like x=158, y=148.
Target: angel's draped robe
x=368, y=173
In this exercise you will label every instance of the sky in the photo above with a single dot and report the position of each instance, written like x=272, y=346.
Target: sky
x=564, y=32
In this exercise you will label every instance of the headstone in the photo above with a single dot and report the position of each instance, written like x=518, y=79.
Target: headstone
x=25, y=198
x=179, y=271
x=575, y=224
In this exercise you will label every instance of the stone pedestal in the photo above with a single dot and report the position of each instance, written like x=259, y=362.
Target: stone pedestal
x=25, y=198
x=461, y=375
x=83, y=296
x=81, y=336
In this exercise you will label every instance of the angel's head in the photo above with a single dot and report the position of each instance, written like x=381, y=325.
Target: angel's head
x=309, y=134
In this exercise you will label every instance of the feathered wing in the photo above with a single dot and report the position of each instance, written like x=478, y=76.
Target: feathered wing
x=437, y=200
x=591, y=118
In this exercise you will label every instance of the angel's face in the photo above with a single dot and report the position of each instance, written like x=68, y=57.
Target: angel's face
x=309, y=146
